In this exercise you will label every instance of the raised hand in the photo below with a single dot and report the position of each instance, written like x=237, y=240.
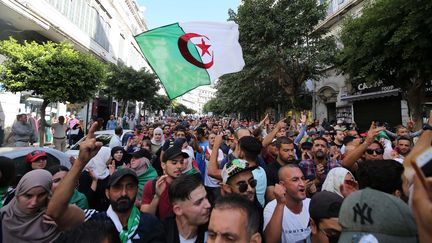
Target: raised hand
x=89, y=147
x=281, y=124
x=280, y=193
x=161, y=185
x=373, y=132
x=319, y=170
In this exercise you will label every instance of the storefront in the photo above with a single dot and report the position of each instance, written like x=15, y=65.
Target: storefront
x=376, y=103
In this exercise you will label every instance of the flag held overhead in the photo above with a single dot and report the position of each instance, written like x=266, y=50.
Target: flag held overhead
x=187, y=55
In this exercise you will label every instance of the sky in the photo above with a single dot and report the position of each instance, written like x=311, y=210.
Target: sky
x=163, y=12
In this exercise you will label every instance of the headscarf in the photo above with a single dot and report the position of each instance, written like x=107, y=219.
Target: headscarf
x=143, y=166
x=335, y=178
x=18, y=226
x=125, y=159
x=158, y=130
x=98, y=163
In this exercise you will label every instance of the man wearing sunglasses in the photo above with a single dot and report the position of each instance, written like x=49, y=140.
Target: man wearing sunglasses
x=237, y=178
x=370, y=149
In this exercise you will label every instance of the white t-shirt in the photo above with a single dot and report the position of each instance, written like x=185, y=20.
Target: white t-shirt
x=183, y=240
x=114, y=141
x=261, y=177
x=208, y=180
x=294, y=226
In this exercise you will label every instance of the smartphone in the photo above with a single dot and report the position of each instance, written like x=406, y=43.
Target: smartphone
x=424, y=162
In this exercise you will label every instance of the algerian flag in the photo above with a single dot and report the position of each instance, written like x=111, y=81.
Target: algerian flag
x=187, y=55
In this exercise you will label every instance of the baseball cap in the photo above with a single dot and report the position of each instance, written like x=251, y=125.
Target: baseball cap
x=307, y=145
x=233, y=168
x=142, y=153
x=35, y=155
x=324, y=205
x=371, y=214
x=119, y=174
x=173, y=152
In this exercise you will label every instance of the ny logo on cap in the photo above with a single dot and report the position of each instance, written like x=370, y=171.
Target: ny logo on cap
x=364, y=213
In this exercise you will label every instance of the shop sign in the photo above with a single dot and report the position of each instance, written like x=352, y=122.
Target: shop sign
x=363, y=88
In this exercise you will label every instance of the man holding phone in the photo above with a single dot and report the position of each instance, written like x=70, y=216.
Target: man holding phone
x=320, y=164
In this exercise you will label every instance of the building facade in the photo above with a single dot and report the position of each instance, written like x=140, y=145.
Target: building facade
x=104, y=28
x=336, y=99
x=197, y=98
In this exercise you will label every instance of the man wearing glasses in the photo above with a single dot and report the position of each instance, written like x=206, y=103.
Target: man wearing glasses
x=237, y=178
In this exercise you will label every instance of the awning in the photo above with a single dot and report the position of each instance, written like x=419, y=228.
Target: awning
x=372, y=95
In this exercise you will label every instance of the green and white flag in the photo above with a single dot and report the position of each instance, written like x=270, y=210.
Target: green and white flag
x=187, y=55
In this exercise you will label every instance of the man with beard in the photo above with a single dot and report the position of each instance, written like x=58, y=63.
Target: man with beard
x=285, y=148
x=237, y=178
x=191, y=211
x=316, y=169
x=402, y=149
x=338, y=139
x=132, y=225
x=286, y=218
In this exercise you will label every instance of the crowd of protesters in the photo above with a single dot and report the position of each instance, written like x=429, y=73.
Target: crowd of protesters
x=225, y=180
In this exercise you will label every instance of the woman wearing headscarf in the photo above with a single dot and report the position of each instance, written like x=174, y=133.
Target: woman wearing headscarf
x=140, y=163
x=340, y=181
x=94, y=180
x=119, y=156
x=23, y=220
x=157, y=140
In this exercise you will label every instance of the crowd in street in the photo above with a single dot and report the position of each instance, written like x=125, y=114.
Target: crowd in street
x=224, y=180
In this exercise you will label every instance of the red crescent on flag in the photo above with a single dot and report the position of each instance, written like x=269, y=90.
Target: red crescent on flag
x=182, y=45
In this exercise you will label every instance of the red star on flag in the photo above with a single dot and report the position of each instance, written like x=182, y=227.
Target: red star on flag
x=204, y=47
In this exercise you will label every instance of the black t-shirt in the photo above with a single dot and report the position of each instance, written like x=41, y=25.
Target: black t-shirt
x=147, y=231
x=272, y=173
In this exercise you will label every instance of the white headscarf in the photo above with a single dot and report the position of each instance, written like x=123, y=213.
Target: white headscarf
x=98, y=163
x=189, y=160
x=162, y=141
x=335, y=178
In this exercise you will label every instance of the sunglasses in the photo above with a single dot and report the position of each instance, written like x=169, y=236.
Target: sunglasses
x=243, y=185
x=377, y=151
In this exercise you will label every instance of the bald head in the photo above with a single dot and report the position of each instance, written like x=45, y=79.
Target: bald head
x=286, y=170
x=242, y=132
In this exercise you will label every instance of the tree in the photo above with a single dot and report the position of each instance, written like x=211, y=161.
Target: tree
x=391, y=42
x=54, y=71
x=281, y=46
x=126, y=83
x=179, y=108
x=214, y=106
x=160, y=102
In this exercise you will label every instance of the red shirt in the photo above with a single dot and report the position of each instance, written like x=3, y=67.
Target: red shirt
x=164, y=206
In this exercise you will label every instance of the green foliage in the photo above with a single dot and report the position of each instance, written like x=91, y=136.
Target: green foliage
x=54, y=71
x=159, y=102
x=179, y=108
x=282, y=49
x=128, y=84
x=214, y=106
x=390, y=42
